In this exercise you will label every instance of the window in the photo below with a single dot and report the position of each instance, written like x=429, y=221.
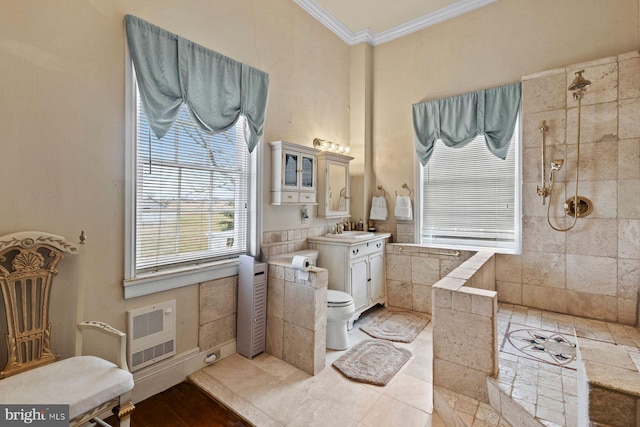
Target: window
x=192, y=196
x=471, y=198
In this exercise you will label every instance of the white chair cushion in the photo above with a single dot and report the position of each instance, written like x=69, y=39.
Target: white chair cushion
x=82, y=382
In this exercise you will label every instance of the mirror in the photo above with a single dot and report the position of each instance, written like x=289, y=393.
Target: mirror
x=338, y=188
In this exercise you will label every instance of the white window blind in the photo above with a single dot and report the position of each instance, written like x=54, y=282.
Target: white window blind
x=470, y=199
x=192, y=194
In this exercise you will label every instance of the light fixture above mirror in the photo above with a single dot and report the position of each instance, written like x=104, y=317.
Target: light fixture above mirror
x=322, y=144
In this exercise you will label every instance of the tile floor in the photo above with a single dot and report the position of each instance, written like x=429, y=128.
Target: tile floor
x=269, y=392
x=537, y=359
x=537, y=371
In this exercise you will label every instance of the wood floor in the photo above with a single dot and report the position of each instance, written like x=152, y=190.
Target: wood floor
x=183, y=405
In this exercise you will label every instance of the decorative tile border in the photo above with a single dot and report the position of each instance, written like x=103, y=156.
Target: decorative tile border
x=540, y=344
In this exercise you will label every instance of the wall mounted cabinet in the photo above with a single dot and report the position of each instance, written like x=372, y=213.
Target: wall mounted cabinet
x=294, y=172
x=333, y=185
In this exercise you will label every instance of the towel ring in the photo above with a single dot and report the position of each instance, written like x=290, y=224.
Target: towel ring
x=406, y=187
x=384, y=193
x=343, y=192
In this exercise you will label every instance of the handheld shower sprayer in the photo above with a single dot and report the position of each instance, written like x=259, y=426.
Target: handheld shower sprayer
x=576, y=206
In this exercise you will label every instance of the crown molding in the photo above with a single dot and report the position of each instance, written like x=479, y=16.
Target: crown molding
x=441, y=15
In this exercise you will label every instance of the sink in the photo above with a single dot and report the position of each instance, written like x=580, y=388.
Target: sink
x=351, y=235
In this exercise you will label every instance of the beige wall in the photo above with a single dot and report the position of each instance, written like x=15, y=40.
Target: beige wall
x=62, y=117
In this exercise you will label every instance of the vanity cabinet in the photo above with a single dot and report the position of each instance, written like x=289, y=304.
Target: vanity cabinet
x=333, y=185
x=355, y=267
x=294, y=172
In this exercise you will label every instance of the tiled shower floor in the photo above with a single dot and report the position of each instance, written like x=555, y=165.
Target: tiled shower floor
x=537, y=359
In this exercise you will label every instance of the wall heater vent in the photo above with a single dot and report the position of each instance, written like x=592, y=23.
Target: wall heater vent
x=151, y=334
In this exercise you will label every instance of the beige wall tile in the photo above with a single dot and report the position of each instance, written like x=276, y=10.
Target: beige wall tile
x=628, y=196
x=425, y=271
x=603, y=194
x=510, y=293
x=592, y=274
x=629, y=159
x=627, y=311
x=508, y=268
x=545, y=298
x=598, y=123
x=598, y=160
x=464, y=339
x=275, y=298
x=628, y=278
x=629, y=238
x=555, y=121
x=298, y=347
x=538, y=236
x=629, y=111
x=216, y=333
x=398, y=267
x=543, y=268
x=629, y=83
x=422, y=298
x=598, y=237
x=275, y=336
x=460, y=379
x=603, y=75
x=461, y=301
x=544, y=93
x=400, y=294
x=218, y=299
x=592, y=306
x=299, y=305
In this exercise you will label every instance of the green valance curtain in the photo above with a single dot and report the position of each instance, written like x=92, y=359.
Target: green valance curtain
x=457, y=120
x=171, y=70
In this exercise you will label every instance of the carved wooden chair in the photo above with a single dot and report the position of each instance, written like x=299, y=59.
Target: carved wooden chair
x=34, y=375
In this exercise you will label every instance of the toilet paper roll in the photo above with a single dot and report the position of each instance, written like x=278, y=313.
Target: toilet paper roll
x=303, y=264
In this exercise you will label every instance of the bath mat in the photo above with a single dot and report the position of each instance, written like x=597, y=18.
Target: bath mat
x=372, y=361
x=538, y=344
x=400, y=326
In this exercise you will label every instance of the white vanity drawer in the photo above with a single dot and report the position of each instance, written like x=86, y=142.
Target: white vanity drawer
x=366, y=248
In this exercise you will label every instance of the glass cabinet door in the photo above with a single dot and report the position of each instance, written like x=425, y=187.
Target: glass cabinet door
x=307, y=172
x=291, y=170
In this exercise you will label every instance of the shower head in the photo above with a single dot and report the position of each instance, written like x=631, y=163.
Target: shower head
x=579, y=82
x=556, y=164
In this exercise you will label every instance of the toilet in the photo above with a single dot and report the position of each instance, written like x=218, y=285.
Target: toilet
x=340, y=308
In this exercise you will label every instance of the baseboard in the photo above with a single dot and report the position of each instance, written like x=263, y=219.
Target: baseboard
x=169, y=372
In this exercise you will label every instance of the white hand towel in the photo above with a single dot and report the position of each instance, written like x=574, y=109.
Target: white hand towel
x=378, y=208
x=403, y=210
x=342, y=204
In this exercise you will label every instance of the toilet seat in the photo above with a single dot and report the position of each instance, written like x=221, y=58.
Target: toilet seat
x=338, y=299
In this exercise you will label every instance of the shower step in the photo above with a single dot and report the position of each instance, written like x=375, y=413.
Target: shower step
x=457, y=410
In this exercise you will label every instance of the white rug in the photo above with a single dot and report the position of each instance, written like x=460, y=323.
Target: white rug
x=400, y=326
x=372, y=361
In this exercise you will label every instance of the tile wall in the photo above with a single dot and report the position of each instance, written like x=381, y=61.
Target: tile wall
x=296, y=316
x=465, y=346
x=412, y=270
x=218, y=302
x=592, y=270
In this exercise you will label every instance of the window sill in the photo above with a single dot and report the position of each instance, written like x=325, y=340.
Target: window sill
x=471, y=246
x=151, y=283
